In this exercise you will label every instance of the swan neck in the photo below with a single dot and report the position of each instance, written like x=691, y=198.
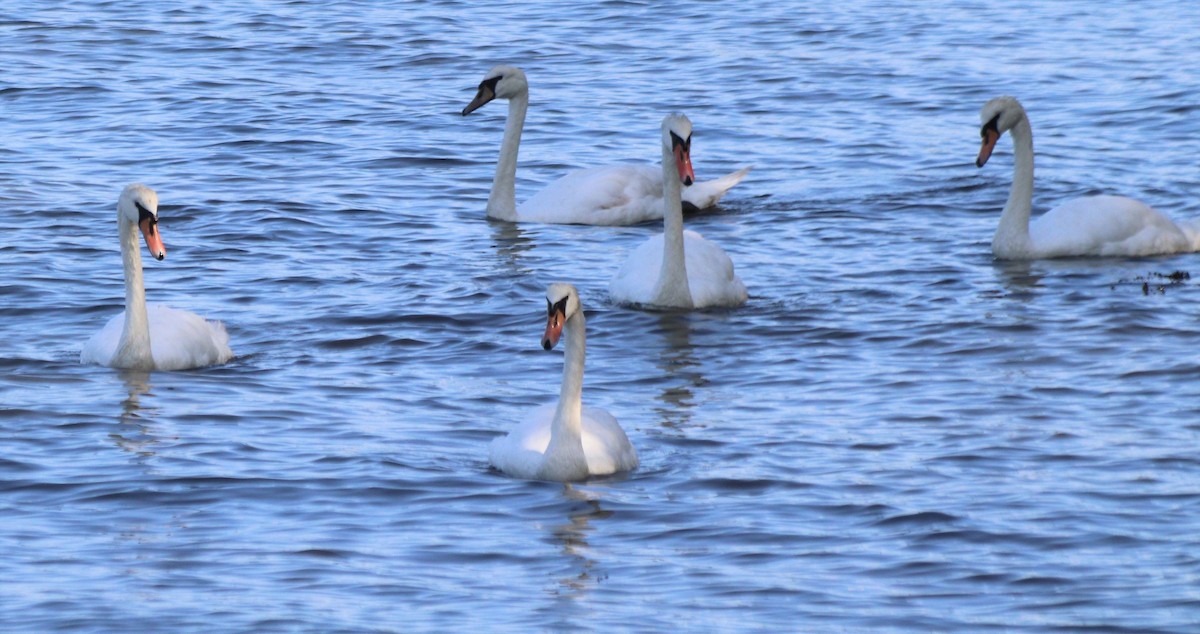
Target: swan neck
x=1012, y=234
x=568, y=417
x=502, y=202
x=133, y=350
x=672, y=287
x=565, y=459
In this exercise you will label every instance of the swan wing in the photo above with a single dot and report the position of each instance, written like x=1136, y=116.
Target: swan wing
x=634, y=282
x=711, y=278
x=616, y=195
x=1107, y=226
x=103, y=345
x=519, y=453
x=605, y=444
x=612, y=195
x=181, y=340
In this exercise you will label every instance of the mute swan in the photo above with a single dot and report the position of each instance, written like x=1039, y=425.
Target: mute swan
x=151, y=337
x=613, y=195
x=566, y=441
x=677, y=269
x=1093, y=225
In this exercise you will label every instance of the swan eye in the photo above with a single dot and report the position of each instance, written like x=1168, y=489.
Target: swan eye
x=676, y=142
x=993, y=125
x=144, y=215
x=557, y=309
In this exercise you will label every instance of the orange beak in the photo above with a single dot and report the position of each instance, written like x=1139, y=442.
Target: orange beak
x=990, y=136
x=683, y=162
x=554, y=327
x=149, y=227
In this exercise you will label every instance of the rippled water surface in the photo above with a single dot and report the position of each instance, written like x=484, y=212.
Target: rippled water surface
x=897, y=433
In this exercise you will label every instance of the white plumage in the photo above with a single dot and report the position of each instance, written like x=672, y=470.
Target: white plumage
x=151, y=337
x=613, y=195
x=522, y=452
x=179, y=340
x=710, y=277
x=565, y=441
x=1092, y=225
x=677, y=268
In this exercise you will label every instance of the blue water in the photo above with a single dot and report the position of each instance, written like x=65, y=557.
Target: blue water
x=897, y=433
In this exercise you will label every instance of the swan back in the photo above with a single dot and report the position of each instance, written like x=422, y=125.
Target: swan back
x=179, y=340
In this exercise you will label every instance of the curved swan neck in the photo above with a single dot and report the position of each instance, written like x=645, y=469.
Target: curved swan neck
x=133, y=350
x=568, y=417
x=564, y=458
x=672, y=287
x=1012, y=234
x=502, y=202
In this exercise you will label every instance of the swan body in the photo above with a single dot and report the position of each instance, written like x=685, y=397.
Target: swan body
x=151, y=337
x=678, y=268
x=1091, y=225
x=565, y=441
x=178, y=340
x=612, y=195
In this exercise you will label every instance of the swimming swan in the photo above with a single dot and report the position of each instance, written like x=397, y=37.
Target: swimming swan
x=1093, y=225
x=677, y=269
x=151, y=337
x=612, y=195
x=565, y=441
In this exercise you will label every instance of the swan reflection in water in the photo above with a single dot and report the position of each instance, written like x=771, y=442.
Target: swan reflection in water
x=132, y=434
x=511, y=242
x=680, y=369
x=1018, y=279
x=583, y=509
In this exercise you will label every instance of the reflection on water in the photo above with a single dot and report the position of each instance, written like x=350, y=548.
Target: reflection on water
x=133, y=433
x=678, y=363
x=1017, y=277
x=583, y=508
x=511, y=242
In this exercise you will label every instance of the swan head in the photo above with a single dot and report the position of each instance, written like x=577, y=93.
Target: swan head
x=138, y=205
x=677, y=139
x=997, y=116
x=502, y=82
x=562, y=302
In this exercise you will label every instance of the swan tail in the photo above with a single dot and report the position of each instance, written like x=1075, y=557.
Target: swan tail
x=705, y=194
x=1191, y=229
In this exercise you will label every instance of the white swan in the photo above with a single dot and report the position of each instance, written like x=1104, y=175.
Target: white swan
x=565, y=441
x=151, y=337
x=677, y=269
x=1093, y=225
x=613, y=195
